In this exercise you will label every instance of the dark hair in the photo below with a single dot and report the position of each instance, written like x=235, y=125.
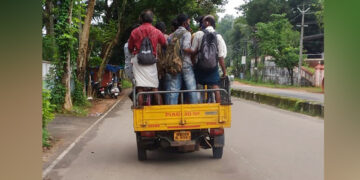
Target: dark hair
x=160, y=26
x=146, y=16
x=174, y=23
x=199, y=19
x=211, y=20
x=181, y=18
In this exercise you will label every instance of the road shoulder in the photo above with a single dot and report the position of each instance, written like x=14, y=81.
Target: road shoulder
x=65, y=129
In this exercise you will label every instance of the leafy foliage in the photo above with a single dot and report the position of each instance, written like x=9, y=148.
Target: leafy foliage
x=278, y=40
x=256, y=11
x=47, y=116
x=236, y=34
x=64, y=41
x=103, y=31
x=95, y=61
x=126, y=83
x=49, y=51
x=260, y=10
x=78, y=96
x=320, y=13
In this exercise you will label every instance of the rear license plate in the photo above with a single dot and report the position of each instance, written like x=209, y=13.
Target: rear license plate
x=182, y=136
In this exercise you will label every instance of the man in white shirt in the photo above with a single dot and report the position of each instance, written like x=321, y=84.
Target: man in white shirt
x=128, y=65
x=211, y=79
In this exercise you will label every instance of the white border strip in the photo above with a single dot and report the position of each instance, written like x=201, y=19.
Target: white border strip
x=62, y=155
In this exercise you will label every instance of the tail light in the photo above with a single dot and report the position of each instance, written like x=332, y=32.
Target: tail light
x=147, y=133
x=101, y=89
x=216, y=131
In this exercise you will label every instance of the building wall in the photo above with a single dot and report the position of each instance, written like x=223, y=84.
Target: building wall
x=273, y=74
x=46, y=65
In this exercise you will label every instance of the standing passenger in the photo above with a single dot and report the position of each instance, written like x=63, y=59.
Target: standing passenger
x=128, y=66
x=161, y=63
x=187, y=74
x=206, y=76
x=146, y=76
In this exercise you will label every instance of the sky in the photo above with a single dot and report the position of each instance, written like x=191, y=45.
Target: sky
x=230, y=8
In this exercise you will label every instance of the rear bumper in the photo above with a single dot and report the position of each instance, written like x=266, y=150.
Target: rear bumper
x=165, y=139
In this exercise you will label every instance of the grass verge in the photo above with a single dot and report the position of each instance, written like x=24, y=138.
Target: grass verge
x=291, y=104
x=272, y=85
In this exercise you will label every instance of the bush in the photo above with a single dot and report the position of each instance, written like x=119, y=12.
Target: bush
x=95, y=61
x=78, y=96
x=126, y=84
x=47, y=116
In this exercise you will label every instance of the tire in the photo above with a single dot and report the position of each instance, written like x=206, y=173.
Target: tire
x=141, y=150
x=217, y=152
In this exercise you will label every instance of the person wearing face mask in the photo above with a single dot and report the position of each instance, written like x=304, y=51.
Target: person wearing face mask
x=209, y=78
x=174, y=81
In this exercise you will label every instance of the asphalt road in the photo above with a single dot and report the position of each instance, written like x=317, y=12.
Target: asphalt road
x=317, y=97
x=264, y=143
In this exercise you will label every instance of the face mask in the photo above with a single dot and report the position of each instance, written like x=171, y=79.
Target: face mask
x=187, y=27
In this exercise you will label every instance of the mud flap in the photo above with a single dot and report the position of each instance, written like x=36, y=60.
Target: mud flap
x=219, y=141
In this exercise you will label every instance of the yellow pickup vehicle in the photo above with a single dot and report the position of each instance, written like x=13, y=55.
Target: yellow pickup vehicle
x=183, y=127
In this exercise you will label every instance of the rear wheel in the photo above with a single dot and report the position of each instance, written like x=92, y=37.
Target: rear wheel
x=141, y=150
x=217, y=152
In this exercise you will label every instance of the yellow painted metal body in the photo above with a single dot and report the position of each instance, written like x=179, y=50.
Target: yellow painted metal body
x=182, y=117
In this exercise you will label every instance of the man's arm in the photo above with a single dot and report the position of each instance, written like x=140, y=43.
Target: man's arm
x=222, y=53
x=131, y=43
x=194, y=45
x=222, y=65
x=186, y=46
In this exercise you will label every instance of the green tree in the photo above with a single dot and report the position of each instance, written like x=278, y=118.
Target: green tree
x=47, y=116
x=278, y=40
x=260, y=10
x=83, y=46
x=320, y=13
x=73, y=36
x=256, y=11
x=236, y=34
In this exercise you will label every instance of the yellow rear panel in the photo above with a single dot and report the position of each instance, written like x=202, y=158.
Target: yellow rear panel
x=178, y=117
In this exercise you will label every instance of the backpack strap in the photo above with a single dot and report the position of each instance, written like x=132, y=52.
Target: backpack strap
x=180, y=35
x=143, y=35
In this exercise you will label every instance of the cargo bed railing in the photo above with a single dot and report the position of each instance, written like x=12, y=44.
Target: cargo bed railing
x=226, y=102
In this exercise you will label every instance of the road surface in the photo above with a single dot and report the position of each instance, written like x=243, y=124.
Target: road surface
x=264, y=143
x=317, y=97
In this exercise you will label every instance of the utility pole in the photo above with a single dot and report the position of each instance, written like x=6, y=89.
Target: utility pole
x=302, y=11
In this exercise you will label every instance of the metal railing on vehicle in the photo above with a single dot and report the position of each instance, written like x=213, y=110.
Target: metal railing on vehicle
x=224, y=101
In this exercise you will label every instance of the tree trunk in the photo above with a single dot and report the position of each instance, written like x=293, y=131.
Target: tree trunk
x=291, y=74
x=83, y=44
x=89, y=87
x=89, y=92
x=67, y=71
x=111, y=45
x=51, y=19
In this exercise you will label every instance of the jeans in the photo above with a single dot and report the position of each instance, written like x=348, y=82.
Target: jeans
x=174, y=83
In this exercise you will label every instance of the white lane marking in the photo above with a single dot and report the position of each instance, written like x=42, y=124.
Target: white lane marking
x=62, y=155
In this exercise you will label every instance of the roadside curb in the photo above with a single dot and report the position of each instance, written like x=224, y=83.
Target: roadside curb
x=69, y=148
x=291, y=104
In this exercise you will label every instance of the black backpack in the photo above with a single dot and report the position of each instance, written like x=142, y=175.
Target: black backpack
x=208, y=55
x=146, y=56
